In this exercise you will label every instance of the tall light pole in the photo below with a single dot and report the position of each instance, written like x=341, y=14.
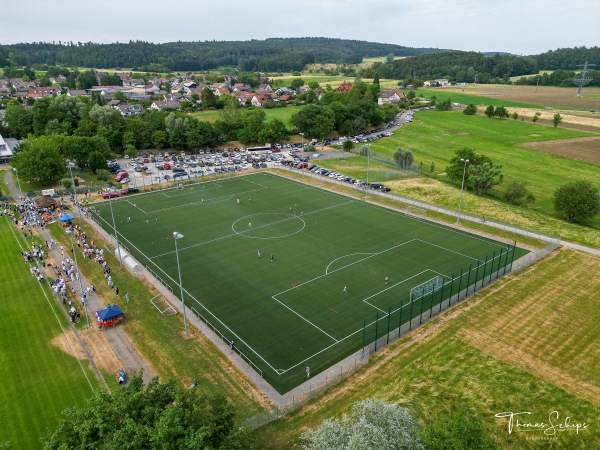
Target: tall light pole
x=18, y=182
x=75, y=193
x=115, y=228
x=368, y=147
x=176, y=236
x=466, y=161
x=302, y=136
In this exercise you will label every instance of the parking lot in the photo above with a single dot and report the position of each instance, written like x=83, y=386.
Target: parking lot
x=156, y=167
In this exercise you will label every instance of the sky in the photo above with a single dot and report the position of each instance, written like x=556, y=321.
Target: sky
x=523, y=27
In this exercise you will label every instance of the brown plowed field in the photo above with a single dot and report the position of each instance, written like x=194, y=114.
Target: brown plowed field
x=582, y=149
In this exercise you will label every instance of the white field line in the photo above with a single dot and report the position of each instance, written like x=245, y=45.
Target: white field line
x=54, y=311
x=249, y=230
x=304, y=318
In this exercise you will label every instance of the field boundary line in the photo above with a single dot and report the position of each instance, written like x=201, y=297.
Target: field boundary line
x=198, y=302
x=304, y=318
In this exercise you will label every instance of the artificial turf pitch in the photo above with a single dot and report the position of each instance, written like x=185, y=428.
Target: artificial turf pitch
x=290, y=311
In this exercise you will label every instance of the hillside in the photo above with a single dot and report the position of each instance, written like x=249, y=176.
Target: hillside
x=276, y=54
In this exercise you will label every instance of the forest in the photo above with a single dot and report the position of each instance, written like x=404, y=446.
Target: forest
x=473, y=67
x=277, y=54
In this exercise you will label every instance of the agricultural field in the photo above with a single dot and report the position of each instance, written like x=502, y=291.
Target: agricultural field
x=435, y=136
x=545, y=96
x=40, y=377
x=528, y=344
x=275, y=273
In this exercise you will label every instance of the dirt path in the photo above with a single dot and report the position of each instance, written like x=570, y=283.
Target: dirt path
x=109, y=349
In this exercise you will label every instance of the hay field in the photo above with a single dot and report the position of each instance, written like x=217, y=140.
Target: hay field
x=527, y=344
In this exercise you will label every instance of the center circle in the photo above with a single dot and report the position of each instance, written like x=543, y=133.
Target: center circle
x=268, y=225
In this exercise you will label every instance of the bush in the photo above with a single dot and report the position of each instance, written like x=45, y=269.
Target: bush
x=348, y=145
x=102, y=174
x=516, y=192
x=577, y=201
x=470, y=110
x=66, y=183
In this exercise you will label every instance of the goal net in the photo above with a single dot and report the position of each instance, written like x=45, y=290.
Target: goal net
x=163, y=306
x=416, y=211
x=423, y=289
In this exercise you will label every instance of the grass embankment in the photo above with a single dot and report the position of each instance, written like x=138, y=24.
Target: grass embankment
x=437, y=193
x=527, y=344
x=160, y=340
x=435, y=136
x=39, y=380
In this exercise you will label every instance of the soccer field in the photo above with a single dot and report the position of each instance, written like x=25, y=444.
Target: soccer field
x=296, y=275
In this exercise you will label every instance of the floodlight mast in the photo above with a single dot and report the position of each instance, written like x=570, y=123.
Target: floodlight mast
x=176, y=236
x=584, y=78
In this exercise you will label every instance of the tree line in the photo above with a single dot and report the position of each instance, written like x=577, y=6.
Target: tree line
x=278, y=54
x=473, y=67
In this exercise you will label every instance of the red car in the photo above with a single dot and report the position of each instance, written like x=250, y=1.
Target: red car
x=110, y=194
x=167, y=166
x=302, y=165
x=146, y=160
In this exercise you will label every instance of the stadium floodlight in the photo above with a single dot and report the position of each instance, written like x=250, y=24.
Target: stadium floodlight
x=176, y=236
x=19, y=183
x=462, y=186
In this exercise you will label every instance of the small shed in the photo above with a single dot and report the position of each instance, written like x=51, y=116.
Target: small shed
x=112, y=315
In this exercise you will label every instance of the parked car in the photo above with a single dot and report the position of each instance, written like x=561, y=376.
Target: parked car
x=167, y=166
x=121, y=176
x=110, y=194
x=130, y=190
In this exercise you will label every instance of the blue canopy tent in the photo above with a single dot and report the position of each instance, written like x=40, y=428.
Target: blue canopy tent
x=66, y=218
x=109, y=316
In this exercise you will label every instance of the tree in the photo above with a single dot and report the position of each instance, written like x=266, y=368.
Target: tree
x=577, y=201
x=516, y=192
x=97, y=161
x=483, y=176
x=404, y=158
x=273, y=131
x=297, y=83
x=252, y=125
x=489, y=111
x=373, y=424
x=314, y=85
x=19, y=120
x=454, y=171
x=159, y=139
x=432, y=167
x=462, y=430
x=515, y=115
x=208, y=98
x=556, y=120
x=501, y=112
x=535, y=117
x=66, y=183
x=446, y=105
x=155, y=416
x=471, y=110
x=390, y=57
x=348, y=145
x=39, y=159
x=102, y=174
x=411, y=95
x=314, y=120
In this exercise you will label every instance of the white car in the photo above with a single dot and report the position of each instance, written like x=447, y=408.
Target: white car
x=316, y=155
x=125, y=181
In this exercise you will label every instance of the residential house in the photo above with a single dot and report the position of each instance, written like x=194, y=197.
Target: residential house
x=259, y=100
x=390, y=97
x=42, y=92
x=345, y=87
x=241, y=87
x=77, y=93
x=169, y=104
x=265, y=88
x=126, y=109
x=221, y=90
x=151, y=89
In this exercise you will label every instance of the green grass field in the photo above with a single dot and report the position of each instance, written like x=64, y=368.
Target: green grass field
x=435, y=136
x=467, y=99
x=39, y=380
x=291, y=312
x=283, y=114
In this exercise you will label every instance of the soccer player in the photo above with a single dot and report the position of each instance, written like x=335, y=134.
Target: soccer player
x=259, y=254
x=345, y=290
x=307, y=372
x=272, y=257
x=249, y=224
x=387, y=280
